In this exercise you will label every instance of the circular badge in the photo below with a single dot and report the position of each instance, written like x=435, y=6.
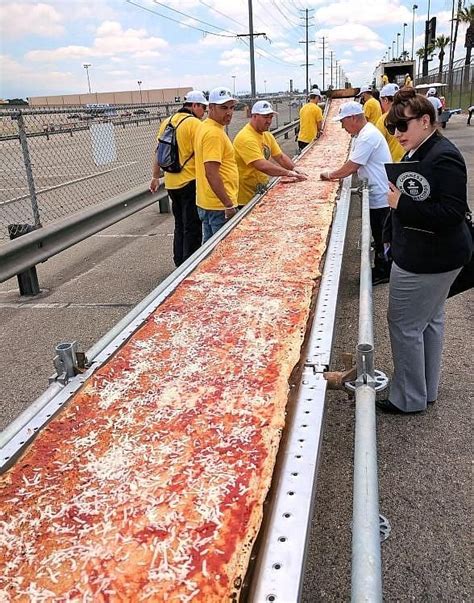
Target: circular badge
x=413, y=184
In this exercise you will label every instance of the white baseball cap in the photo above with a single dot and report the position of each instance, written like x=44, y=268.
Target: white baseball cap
x=349, y=109
x=219, y=96
x=196, y=96
x=315, y=91
x=263, y=107
x=389, y=90
x=431, y=92
x=364, y=89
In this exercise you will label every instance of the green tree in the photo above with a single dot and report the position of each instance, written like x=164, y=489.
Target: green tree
x=440, y=43
x=420, y=53
x=466, y=15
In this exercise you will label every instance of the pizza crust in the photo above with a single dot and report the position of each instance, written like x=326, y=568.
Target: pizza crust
x=150, y=485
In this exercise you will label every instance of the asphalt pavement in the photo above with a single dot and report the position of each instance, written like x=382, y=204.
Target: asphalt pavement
x=424, y=476
x=425, y=481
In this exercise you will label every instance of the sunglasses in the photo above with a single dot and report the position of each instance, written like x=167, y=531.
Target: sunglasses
x=401, y=125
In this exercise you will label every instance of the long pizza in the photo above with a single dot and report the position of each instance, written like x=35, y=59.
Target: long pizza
x=150, y=485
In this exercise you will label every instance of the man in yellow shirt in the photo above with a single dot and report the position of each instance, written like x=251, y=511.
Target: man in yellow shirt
x=311, y=119
x=386, y=100
x=372, y=109
x=181, y=186
x=217, y=177
x=255, y=147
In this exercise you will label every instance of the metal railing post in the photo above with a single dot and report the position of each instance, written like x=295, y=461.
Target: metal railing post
x=366, y=558
x=18, y=116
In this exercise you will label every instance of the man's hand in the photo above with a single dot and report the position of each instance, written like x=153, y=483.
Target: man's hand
x=296, y=176
x=154, y=185
x=300, y=172
x=325, y=176
x=393, y=196
x=230, y=212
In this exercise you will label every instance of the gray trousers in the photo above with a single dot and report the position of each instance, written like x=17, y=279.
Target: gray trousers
x=416, y=324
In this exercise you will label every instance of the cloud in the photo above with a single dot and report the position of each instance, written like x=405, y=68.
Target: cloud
x=15, y=73
x=234, y=57
x=111, y=39
x=368, y=12
x=19, y=20
x=360, y=37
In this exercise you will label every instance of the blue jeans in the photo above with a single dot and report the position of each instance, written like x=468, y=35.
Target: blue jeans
x=212, y=220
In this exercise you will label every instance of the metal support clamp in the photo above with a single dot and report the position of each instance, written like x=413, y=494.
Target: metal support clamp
x=68, y=362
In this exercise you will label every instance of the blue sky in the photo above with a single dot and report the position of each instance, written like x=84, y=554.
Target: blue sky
x=45, y=44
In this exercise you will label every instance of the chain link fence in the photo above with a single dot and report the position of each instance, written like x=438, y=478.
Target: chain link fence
x=57, y=162
x=459, y=91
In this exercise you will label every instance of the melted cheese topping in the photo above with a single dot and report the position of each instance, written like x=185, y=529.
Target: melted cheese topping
x=149, y=486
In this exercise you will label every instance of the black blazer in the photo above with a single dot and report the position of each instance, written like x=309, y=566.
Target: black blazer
x=430, y=235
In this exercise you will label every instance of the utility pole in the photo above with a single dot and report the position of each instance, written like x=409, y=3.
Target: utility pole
x=86, y=67
x=331, y=53
x=253, y=88
x=415, y=6
x=307, y=42
x=403, y=41
x=251, y=35
x=324, y=64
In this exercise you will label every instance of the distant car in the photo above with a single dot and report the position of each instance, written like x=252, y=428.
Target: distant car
x=141, y=112
x=74, y=116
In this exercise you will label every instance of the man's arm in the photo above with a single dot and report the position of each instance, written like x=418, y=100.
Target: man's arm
x=217, y=185
x=284, y=167
x=347, y=169
x=155, y=176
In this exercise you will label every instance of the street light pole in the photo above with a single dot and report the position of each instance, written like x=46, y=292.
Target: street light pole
x=86, y=67
x=265, y=86
x=233, y=85
x=139, y=82
x=398, y=40
x=415, y=6
x=403, y=41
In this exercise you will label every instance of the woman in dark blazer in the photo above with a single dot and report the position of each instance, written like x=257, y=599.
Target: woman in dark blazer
x=430, y=242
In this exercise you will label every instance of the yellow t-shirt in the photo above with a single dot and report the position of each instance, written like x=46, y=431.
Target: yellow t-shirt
x=213, y=144
x=396, y=149
x=249, y=146
x=185, y=135
x=310, y=115
x=372, y=110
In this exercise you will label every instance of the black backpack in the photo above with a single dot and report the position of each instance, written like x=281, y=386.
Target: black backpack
x=167, y=153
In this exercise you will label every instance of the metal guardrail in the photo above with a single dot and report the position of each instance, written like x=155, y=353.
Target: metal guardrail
x=43, y=243
x=366, y=558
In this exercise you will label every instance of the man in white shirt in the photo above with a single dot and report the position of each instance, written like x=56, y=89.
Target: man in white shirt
x=368, y=155
x=434, y=100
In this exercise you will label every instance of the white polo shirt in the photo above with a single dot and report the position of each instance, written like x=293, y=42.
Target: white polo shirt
x=437, y=104
x=370, y=150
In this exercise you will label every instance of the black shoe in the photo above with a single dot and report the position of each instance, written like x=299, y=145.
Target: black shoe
x=431, y=401
x=387, y=406
x=379, y=280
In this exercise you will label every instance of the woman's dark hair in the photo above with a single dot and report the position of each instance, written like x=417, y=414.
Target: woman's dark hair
x=417, y=105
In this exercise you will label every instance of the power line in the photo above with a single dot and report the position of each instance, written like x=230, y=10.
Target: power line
x=192, y=17
x=286, y=17
x=265, y=56
x=212, y=33
x=219, y=13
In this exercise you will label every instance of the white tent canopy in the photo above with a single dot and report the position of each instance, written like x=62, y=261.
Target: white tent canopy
x=433, y=85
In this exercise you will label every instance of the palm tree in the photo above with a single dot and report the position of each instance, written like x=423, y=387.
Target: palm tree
x=420, y=53
x=440, y=43
x=466, y=15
